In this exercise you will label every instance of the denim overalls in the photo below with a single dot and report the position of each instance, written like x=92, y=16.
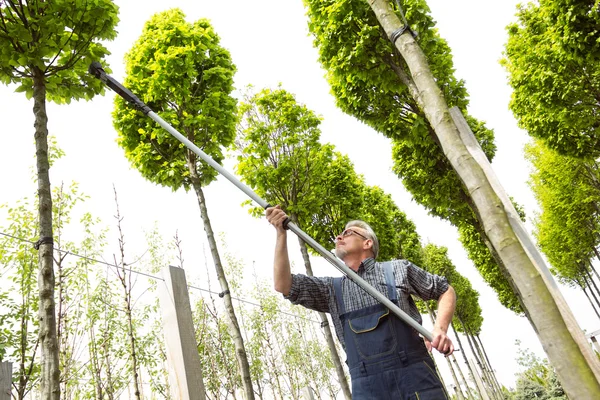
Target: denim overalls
x=386, y=357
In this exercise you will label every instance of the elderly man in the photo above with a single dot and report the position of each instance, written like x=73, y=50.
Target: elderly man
x=386, y=357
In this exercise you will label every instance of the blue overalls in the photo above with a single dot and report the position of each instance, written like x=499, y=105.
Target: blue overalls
x=386, y=357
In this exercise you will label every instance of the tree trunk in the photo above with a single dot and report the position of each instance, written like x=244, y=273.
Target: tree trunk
x=592, y=281
x=462, y=378
x=464, y=354
x=497, y=393
x=432, y=318
x=339, y=369
x=50, y=371
x=559, y=333
x=589, y=298
x=484, y=375
x=592, y=265
x=236, y=334
x=492, y=372
x=586, y=280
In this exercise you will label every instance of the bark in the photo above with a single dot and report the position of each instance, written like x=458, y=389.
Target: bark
x=125, y=280
x=50, y=371
x=487, y=360
x=585, y=279
x=497, y=393
x=462, y=377
x=482, y=366
x=236, y=334
x=335, y=357
x=464, y=354
x=590, y=278
x=592, y=265
x=577, y=367
x=460, y=394
x=589, y=298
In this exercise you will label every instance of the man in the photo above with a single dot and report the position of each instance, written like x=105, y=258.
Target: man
x=386, y=357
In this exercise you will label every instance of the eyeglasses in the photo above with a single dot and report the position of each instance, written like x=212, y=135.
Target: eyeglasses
x=349, y=232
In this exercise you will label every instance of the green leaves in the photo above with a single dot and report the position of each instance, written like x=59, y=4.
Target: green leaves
x=372, y=83
x=59, y=39
x=180, y=70
x=568, y=193
x=552, y=57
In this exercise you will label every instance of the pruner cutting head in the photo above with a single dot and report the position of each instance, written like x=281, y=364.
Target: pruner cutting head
x=96, y=69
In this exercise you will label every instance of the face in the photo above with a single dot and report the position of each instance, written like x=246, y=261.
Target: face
x=351, y=241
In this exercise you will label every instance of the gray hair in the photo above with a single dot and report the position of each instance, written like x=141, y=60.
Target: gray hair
x=370, y=234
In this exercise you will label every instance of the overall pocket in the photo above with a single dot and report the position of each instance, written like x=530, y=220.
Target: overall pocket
x=373, y=334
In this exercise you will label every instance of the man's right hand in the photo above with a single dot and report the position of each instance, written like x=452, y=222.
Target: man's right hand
x=276, y=217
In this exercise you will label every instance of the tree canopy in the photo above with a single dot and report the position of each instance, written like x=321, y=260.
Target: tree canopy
x=553, y=58
x=172, y=53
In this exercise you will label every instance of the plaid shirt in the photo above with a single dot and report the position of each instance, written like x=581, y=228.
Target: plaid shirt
x=318, y=294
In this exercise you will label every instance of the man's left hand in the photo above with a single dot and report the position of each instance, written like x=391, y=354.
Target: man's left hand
x=442, y=342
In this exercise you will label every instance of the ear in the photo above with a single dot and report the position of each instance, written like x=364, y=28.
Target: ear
x=368, y=244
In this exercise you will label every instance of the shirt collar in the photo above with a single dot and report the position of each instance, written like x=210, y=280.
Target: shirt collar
x=367, y=264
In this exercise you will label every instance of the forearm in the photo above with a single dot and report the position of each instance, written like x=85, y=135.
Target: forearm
x=446, y=306
x=282, y=275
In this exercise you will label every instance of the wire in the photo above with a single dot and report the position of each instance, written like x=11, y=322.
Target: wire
x=152, y=276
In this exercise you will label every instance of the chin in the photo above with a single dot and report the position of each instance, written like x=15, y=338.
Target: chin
x=341, y=254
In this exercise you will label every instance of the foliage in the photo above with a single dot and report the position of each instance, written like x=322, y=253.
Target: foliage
x=58, y=40
x=371, y=81
x=467, y=316
x=568, y=193
x=282, y=158
x=280, y=153
x=537, y=380
x=487, y=266
x=552, y=57
x=172, y=53
x=397, y=234
x=18, y=298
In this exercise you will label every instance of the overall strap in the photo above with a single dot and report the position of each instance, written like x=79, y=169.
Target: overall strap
x=390, y=282
x=337, y=289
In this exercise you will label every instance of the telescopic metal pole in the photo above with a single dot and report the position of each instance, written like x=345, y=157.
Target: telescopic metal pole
x=96, y=70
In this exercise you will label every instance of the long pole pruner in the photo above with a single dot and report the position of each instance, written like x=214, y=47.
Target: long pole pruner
x=96, y=70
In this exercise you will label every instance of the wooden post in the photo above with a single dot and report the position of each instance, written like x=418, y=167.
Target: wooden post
x=185, y=372
x=5, y=380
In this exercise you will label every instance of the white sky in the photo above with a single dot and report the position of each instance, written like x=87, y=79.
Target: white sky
x=269, y=43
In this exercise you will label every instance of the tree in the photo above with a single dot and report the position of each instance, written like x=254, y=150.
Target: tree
x=537, y=380
x=281, y=158
x=180, y=70
x=430, y=88
x=19, y=338
x=552, y=57
x=45, y=49
x=370, y=81
x=567, y=227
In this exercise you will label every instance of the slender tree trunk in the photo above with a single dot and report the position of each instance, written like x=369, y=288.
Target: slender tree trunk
x=488, y=367
x=464, y=354
x=50, y=373
x=325, y=324
x=592, y=265
x=462, y=378
x=562, y=339
x=591, y=280
x=482, y=368
x=589, y=298
x=125, y=280
x=236, y=334
x=431, y=313
x=586, y=279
